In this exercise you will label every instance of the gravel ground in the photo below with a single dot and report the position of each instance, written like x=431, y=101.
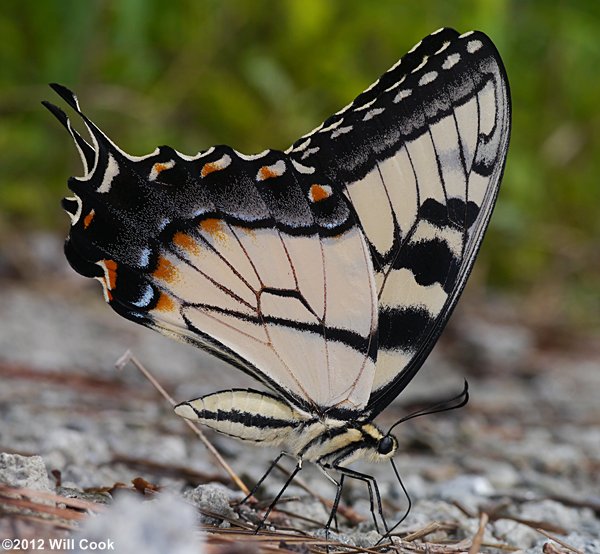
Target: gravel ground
x=525, y=451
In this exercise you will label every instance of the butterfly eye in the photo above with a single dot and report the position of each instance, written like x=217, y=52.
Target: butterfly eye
x=386, y=445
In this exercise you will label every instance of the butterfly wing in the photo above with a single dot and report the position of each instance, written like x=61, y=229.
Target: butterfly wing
x=420, y=155
x=307, y=268
x=240, y=255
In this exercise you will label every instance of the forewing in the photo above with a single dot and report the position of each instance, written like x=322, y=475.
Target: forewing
x=420, y=155
x=248, y=257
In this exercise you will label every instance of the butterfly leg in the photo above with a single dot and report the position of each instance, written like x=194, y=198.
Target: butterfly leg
x=261, y=480
x=374, y=494
x=338, y=494
x=275, y=500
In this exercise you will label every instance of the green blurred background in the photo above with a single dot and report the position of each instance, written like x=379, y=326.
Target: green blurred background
x=260, y=73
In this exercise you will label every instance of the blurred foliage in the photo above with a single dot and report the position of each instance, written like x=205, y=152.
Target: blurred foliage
x=259, y=73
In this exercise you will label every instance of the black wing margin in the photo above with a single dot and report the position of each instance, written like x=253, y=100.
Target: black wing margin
x=420, y=155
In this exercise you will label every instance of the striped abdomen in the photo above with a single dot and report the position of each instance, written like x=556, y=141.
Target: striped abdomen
x=260, y=417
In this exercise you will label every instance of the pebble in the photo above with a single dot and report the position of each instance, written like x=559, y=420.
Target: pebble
x=28, y=472
x=213, y=498
x=515, y=533
x=68, y=446
x=165, y=524
x=552, y=512
x=469, y=490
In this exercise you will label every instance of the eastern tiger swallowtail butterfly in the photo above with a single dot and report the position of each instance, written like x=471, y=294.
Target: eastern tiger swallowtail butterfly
x=326, y=271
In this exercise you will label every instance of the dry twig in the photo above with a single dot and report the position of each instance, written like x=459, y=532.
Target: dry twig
x=478, y=538
x=128, y=357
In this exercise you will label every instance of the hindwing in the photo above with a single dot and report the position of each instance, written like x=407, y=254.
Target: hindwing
x=250, y=257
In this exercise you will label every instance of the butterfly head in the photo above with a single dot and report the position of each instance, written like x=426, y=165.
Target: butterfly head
x=380, y=446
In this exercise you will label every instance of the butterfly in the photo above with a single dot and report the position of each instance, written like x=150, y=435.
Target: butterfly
x=327, y=271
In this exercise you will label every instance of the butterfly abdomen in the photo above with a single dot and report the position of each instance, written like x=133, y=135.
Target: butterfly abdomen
x=262, y=418
x=244, y=414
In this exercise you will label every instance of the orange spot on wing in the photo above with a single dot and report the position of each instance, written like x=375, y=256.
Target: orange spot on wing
x=185, y=242
x=88, y=219
x=214, y=228
x=165, y=270
x=165, y=303
x=318, y=193
x=111, y=273
x=158, y=167
x=265, y=172
x=210, y=167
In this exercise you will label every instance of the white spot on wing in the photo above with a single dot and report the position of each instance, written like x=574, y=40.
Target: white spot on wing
x=451, y=61
x=302, y=168
x=442, y=48
x=344, y=109
x=75, y=217
x=415, y=47
x=372, y=85
x=394, y=66
x=309, y=152
x=84, y=162
x=112, y=170
x=217, y=165
x=402, y=290
x=341, y=131
x=301, y=146
x=428, y=78
x=421, y=65
x=157, y=168
x=275, y=170
x=334, y=125
x=135, y=158
x=366, y=106
x=402, y=95
x=473, y=46
x=372, y=113
x=426, y=231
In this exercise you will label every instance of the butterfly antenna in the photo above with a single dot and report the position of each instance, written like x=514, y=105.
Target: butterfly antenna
x=453, y=403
